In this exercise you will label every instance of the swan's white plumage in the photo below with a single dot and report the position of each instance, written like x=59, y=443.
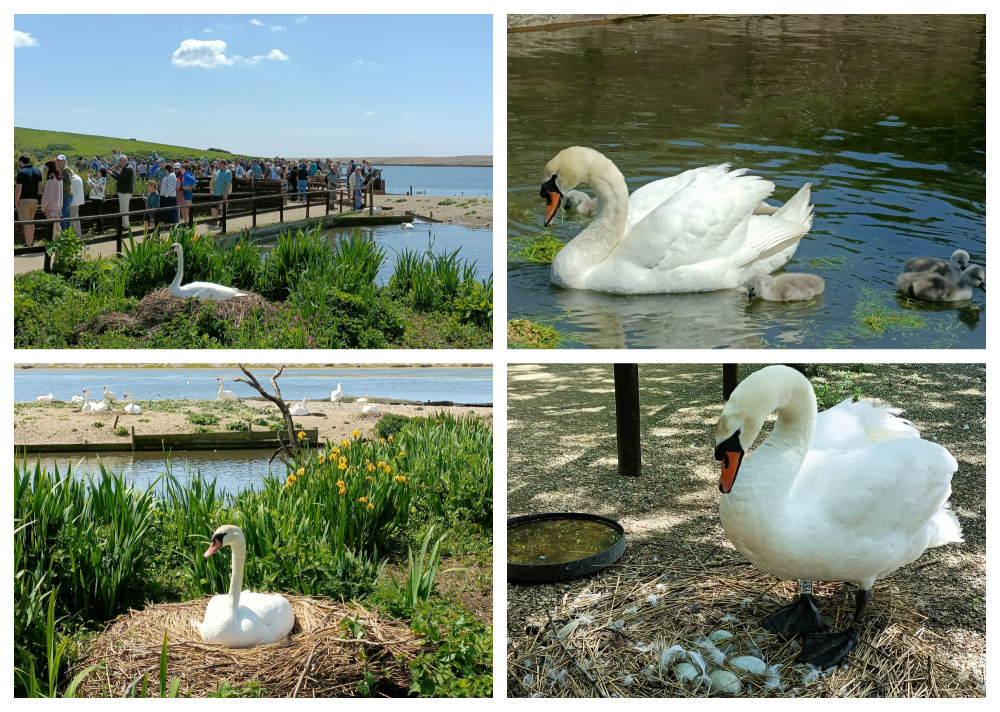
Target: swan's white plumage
x=109, y=395
x=198, y=290
x=299, y=409
x=225, y=395
x=337, y=395
x=692, y=232
x=76, y=399
x=369, y=408
x=47, y=398
x=850, y=494
x=132, y=408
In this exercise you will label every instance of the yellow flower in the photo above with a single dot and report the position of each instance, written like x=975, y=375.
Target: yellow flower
x=362, y=499
x=342, y=486
x=321, y=457
x=437, y=421
x=342, y=466
x=344, y=443
x=343, y=460
x=301, y=435
x=370, y=478
x=391, y=438
x=335, y=451
x=300, y=472
x=371, y=506
x=239, y=247
x=356, y=433
x=382, y=441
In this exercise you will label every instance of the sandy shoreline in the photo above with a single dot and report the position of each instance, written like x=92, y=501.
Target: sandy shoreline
x=467, y=211
x=58, y=423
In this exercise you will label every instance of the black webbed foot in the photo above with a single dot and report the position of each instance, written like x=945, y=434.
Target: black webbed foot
x=800, y=617
x=825, y=650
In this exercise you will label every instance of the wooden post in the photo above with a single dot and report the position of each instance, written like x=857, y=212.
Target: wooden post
x=253, y=205
x=224, y=216
x=340, y=200
x=281, y=208
x=47, y=264
x=371, y=197
x=307, y=203
x=627, y=416
x=118, y=231
x=730, y=379
x=328, y=196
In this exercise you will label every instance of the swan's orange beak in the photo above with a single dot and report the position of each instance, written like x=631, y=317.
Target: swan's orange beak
x=553, y=206
x=216, y=545
x=730, y=466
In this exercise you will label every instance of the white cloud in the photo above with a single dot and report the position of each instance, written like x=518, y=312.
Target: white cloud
x=301, y=20
x=207, y=31
x=207, y=54
x=256, y=22
x=369, y=113
x=275, y=28
x=24, y=39
x=278, y=55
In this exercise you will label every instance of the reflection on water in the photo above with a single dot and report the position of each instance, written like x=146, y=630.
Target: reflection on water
x=233, y=469
x=885, y=116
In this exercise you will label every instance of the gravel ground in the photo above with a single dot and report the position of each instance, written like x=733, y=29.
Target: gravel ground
x=562, y=456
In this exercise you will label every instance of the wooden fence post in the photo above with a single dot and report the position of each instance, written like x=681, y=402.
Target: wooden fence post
x=254, y=208
x=307, y=203
x=281, y=207
x=371, y=198
x=627, y=416
x=224, y=217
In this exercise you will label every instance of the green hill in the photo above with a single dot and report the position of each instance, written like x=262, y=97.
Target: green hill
x=43, y=145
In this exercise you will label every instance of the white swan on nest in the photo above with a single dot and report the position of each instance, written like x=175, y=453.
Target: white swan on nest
x=693, y=232
x=109, y=396
x=47, y=398
x=198, y=290
x=76, y=399
x=95, y=406
x=373, y=408
x=224, y=395
x=242, y=619
x=337, y=395
x=299, y=409
x=132, y=408
x=362, y=400
x=850, y=494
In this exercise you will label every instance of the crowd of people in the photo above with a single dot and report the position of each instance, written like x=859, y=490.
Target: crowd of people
x=169, y=183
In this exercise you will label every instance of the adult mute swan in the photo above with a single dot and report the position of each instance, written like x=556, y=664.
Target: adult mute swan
x=932, y=287
x=225, y=395
x=693, y=232
x=337, y=395
x=299, y=409
x=373, y=408
x=47, y=398
x=132, y=408
x=199, y=290
x=362, y=400
x=92, y=407
x=850, y=494
x=407, y=226
x=946, y=268
x=76, y=399
x=242, y=619
x=109, y=396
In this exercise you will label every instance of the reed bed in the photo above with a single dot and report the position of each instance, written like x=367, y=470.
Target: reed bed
x=332, y=649
x=626, y=625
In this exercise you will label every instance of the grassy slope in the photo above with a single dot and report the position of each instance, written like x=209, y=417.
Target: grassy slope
x=37, y=140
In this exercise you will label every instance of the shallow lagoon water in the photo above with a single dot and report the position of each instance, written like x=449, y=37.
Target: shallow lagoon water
x=884, y=116
x=439, y=180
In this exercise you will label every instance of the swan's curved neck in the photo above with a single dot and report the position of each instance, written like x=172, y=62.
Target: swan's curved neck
x=236, y=580
x=180, y=269
x=595, y=243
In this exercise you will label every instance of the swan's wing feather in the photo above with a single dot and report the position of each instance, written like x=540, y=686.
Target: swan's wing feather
x=848, y=425
x=705, y=220
x=652, y=195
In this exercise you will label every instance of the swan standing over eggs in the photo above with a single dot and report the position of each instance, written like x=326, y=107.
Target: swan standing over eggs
x=96, y=406
x=224, y=395
x=198, y=290
x=337, y=395
x=693, y=232
x=242, y=619
x=132, y=408
x=787, y=287
x=946, y=268
x=850, y=494
x=299, y=409
x=109, y=396
x=932, y=287
x=47, y=398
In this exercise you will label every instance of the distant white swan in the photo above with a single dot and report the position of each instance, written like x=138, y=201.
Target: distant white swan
x=299, y=409
x=76, y=399
x=92, y=407
x=407, y=226
x=337, y=395
x=132, y=408
x=225, y=395
x=109, y=396
x=362, y=400
x=47, y=398
x=198, y=290
x=373, y=408
x=693, y=232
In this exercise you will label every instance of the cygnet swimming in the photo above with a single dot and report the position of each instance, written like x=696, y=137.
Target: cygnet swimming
x=946, y=268
x=785, y=287
x=932, y=287
x=580, y=202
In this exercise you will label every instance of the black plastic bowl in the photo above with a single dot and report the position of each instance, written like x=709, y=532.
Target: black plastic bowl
x=569, y=569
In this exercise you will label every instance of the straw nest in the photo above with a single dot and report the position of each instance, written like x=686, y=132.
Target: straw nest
x=617, y=639
x=160, y=306
x=318, y=659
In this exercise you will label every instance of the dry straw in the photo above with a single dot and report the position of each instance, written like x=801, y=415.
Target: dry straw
x=638, y=612
x=318, y=659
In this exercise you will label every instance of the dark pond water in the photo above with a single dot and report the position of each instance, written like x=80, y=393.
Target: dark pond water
x=884, y=116
x=558, y=541
x=460, y=385
x=234, y=470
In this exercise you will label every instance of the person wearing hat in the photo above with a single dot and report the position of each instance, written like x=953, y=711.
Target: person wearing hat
x=125, y=177
x=67, y=179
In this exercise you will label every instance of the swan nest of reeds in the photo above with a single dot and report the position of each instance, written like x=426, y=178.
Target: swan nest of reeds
x=691, y=632
x=320, y=656
x=160, y=306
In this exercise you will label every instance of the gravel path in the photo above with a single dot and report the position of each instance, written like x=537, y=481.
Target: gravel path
x=562, y=456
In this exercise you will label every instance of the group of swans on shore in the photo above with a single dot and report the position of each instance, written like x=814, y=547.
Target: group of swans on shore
x=96, y=406
x=850, y=494
x=336, y=396
x=702, y=230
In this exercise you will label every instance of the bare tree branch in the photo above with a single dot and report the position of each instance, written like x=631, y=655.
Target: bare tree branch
x=291, y=450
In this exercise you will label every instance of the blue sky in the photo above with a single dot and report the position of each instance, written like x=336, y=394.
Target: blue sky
x=290, y=85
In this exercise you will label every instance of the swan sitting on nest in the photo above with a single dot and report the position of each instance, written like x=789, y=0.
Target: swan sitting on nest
x=693, y=232
x=373, y=408
x=47, y=398
x=132, y=408
x=242, y=619
x=850, y=494
x=198, y=290
x=76, y=399
x=95, y=406
x=299, y=409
